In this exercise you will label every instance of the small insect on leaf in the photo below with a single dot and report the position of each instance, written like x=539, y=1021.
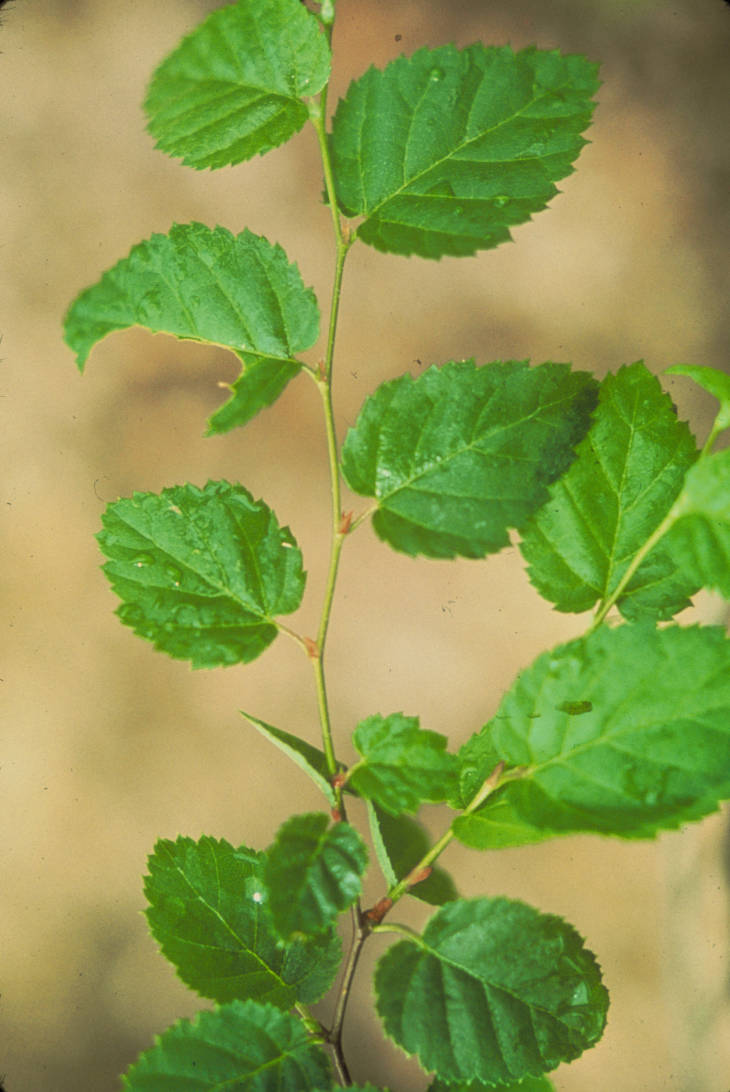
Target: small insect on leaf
x=575, y=708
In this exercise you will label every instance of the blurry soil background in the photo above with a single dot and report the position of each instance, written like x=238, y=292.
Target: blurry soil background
x=106, y=744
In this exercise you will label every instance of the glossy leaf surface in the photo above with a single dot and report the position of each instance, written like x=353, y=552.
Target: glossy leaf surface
x=493, y=991
x=627, y=473
x=208, y=911
x=652, y=752
x=202, y=573
x=444, y=151
x=234, y=87
x=241, y=1045
x=313, y=872
x=206, y=284
x=461, y=454
x=402, y=764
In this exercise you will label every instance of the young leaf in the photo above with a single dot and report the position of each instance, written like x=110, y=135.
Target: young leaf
x=309, y=759
x=473, y=144
x=234, y=87
x=652, y=752
x=627, y=473
x=208, y=912
x=241, y=1045
x=400, y=843
x=206, y=284
x=402, y=765
x=493, y=992
x=700, y=539
x=530, y=1084
x=313, y=872
x=461, y=454
x=714, y=382
x=201, y=573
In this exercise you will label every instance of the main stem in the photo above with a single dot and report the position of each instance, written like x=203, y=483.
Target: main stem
x=317, y=113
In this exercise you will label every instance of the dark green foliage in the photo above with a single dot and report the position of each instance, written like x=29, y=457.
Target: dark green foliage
x=493, y=991
x=652, y=751
x=208, y=910
x=242, y=1045
x=463, y=453
x=624, y=731
x=444, y=151
x=202, y=573
x=313, y=872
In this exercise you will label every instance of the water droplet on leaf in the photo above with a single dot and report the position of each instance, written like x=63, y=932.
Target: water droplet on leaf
x=141, y=561
x=501, y=201
x=174, y=574
x=436, y=75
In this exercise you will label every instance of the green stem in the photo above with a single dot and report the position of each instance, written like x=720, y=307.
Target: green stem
x=324, y=717
x=317, y=113
x=437, y=848
x=426, y=861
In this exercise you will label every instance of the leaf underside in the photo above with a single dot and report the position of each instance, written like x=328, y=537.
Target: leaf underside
x=241, y=1045
x=626, y=475
x=493, y=991
x=624, y=732
x=400, y=843
x=713, y=381
x=459, y=455
x=308, y=758
x=233, y=88
x=700, y=539
x=208, y=285
x=473, y=143
x=208, y=910
x=201, y=573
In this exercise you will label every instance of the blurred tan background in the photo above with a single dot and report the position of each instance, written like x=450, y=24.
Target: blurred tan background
x=105, y=743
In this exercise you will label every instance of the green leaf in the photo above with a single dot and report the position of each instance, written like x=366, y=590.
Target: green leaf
x=493, y=991
x=627, y=473
x=473, y=142
x=206, y=284
x=234, y=87
x=361, y=1088
x=402, y=765
x=714, y=382
x=400, y=843
x=309, y=759
x=208, y=912
x=461, y=454
x=202, y=573
x=242, y=1045
x=700, y=539
x=652, y=752
x=530, y=1084
x=313, y=873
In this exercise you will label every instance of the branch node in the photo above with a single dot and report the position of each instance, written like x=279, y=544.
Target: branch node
x=345, y=523
x=376, y=913
x=419, y=875
x=312, y=648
